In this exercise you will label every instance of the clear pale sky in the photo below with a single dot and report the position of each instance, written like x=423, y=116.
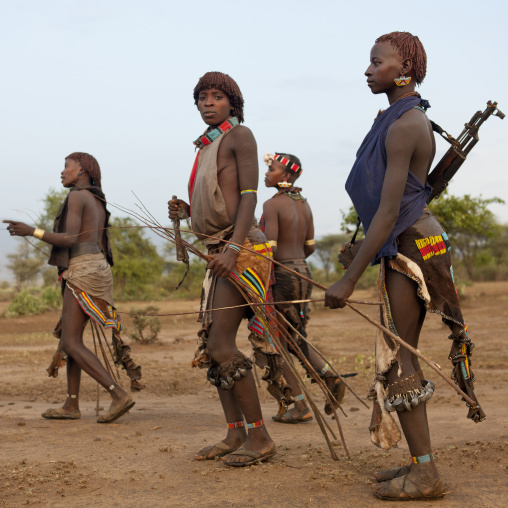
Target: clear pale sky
x=115, y=79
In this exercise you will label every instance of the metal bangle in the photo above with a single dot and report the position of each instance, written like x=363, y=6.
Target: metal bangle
x=38, y=233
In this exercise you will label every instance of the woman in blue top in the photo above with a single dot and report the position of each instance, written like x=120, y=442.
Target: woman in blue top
x=388, y=187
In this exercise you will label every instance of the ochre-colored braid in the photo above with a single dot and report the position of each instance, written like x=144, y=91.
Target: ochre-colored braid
x=409, y=46
x=89, y=165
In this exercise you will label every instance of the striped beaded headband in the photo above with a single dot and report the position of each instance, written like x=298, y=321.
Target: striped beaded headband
x=293, y=167
x=269, y=158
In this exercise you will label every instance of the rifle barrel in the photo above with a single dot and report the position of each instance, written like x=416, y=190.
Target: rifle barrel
x=450, y=163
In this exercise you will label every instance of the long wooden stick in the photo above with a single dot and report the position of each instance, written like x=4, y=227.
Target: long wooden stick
x=98, y=389
x=261, y=304
x=323, y=387
x=433, y=365
x=315, y=409
x=325, y=360
x=319, y=418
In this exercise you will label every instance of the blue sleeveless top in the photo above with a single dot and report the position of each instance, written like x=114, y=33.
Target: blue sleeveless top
x=365, y=181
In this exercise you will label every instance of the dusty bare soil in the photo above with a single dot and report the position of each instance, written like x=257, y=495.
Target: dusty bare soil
x=146, y=458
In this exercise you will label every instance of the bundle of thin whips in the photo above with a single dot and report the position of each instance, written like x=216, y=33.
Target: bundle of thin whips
x=171, y=235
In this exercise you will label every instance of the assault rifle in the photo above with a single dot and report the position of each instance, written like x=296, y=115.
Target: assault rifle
x=440, y=176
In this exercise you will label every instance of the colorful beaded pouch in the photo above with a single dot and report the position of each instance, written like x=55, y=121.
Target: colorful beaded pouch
x=209, y=137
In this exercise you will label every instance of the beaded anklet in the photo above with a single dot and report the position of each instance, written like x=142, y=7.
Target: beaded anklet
x=248, y=191
x=235, y=425
x=299, y=397
x=422, y=459
x=255, y=425
x=324, y=370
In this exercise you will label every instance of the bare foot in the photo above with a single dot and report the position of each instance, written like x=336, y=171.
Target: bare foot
x=119, y=406
x=258, y=443
x=390, y=474
x=423, y=481
x=62, y=414
x=234, y=439
x=294, y=415
x=70, y=405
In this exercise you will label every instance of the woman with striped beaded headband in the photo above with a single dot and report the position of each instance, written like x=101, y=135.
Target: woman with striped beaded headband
x=289, y=228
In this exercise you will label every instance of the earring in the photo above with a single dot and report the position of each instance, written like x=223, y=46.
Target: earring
x=284, y=184
x=402, y=81
x=79, y=174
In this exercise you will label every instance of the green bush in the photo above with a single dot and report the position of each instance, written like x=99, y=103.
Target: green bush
x=490, y=272
x=147, y=328
x=51, y=297
x=25, y=304
x=6, y=293
x=191, y=286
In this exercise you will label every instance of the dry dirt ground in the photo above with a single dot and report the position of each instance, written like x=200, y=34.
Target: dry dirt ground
x=146, y=458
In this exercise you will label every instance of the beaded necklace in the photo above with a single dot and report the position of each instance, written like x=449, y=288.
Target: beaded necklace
x=409, y=94
x=424, y=105
x=293, y=192
x=210, y=136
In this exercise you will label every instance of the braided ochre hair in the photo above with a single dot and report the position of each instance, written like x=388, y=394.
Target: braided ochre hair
x=409, y=46
x=89, y=165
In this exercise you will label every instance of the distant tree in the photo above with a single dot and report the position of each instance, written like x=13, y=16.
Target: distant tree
x=52, y=202
x=499, y=247
x=137, y=264
x=469, y=224
x=350, y=222
x=24, y=265
x=327, y=249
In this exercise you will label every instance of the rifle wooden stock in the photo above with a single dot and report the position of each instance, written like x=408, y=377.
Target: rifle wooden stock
x=446, y=168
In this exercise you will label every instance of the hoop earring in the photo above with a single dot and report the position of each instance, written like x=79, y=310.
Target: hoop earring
x=284, y=184
x=402, y=81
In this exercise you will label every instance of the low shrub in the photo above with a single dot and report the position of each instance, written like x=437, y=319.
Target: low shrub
x=146, y=328
x=25, y=304
x=51, y=297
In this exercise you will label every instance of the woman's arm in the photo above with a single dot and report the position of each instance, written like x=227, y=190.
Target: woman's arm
x=245, y=151
x=401, y=142
x=271, y=218
x=67, y=239
x=309, y=249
